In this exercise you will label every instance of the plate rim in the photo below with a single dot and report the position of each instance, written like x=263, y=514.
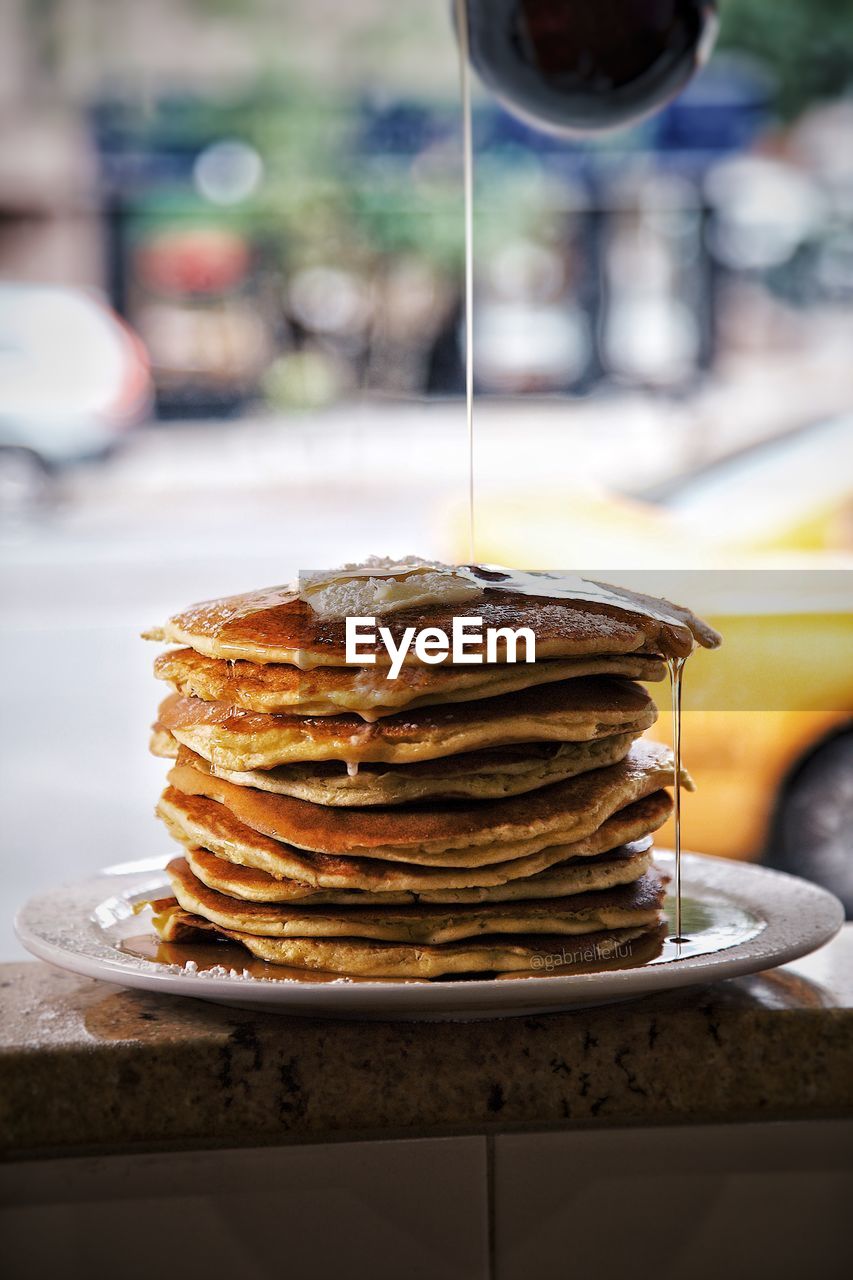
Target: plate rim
x=779, y=942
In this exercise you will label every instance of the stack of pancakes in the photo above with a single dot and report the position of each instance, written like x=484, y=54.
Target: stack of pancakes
x=471, y=819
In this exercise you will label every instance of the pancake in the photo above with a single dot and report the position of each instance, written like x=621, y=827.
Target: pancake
x=622, y=907
x=493, y=774
x=622, y=865
x=201, y=823
x=571, y=711
x=273, y=688
x=275, y=625
x=161, y=743
x=449, y=834
x=536, y=954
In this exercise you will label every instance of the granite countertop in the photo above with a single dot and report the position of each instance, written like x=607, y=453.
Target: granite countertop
x=90, y=1067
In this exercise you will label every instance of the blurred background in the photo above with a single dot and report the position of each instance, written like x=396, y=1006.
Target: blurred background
x=231, y=348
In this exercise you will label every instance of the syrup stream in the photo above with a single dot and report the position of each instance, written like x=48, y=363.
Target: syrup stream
x=468, y=148
x=676, y=672
x=675, y=665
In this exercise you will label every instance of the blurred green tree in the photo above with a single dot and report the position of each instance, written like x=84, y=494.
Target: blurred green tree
x=807, y=44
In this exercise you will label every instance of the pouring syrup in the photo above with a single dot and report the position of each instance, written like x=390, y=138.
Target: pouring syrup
x=576, y=69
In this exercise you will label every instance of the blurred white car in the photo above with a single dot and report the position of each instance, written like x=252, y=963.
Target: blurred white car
x=73, y=377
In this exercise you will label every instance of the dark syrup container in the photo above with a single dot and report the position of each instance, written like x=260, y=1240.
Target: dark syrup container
x=581, y=66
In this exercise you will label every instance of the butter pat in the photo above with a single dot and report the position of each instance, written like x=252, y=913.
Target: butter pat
x=381, y=585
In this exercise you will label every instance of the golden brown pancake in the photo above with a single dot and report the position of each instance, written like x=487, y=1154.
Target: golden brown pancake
x=274, y=688
x=493, y=774
x=201, y=823
x=275, y=625
x=161, y=743
x=530, y=955
x=449, y=834
x=622, y=907
x=617, y=866
x=571, y=711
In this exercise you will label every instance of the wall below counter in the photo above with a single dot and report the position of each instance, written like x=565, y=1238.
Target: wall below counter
x=699, y=1202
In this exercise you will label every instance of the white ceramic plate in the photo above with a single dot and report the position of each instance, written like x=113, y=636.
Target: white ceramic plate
x=738, y=918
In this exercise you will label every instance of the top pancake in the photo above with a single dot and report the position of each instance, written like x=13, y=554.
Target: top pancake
x=275, y=625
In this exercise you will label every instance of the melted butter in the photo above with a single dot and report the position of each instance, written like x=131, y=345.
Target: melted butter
x=377, y=567
x=571, y=586
x=383, y=586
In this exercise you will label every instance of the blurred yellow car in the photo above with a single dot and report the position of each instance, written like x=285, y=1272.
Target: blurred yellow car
x=768, y=725
x=768, y=735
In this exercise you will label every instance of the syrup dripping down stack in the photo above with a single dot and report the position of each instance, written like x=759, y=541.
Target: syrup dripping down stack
x=457, y=820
